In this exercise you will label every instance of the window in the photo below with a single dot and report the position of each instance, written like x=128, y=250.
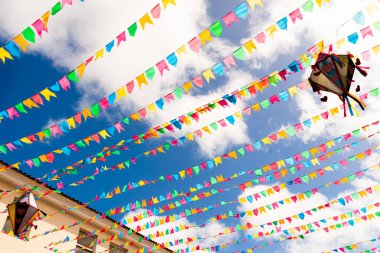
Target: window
x=114, y=249
x=85, y=244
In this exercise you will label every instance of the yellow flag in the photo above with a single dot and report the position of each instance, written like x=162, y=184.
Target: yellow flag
x=316, y=118
x=167, y=2
x=376, y=49
x=71, y=123
x=104, y=134
x=146, y=19
x=266, y=141
x=282, y=134
x=30, y=103
x=293, y=90
x=205, y=36
x=5, y=55
x=141, y=79
x=252, y=3
x=86, y=113
x=250, y=46
x=99, y=54
x=232, y=154
x=208, y=74
x=334, y=111
x=47, y=94
x=217, y=160
x=181, y=50
x=81, y=69
x=187, y=87
x=121, y=93
x=256, y=107
x=21, y=42
x=271, y=30
x=135, y=116
x=341, y=42
x=190, y=136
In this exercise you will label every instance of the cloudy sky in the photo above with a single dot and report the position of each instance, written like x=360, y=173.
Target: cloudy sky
x=80, y=30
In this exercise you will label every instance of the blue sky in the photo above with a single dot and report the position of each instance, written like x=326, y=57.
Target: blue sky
x=76, y=33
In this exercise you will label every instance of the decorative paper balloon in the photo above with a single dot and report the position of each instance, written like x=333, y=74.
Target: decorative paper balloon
x=334, y=73
x=22, y=212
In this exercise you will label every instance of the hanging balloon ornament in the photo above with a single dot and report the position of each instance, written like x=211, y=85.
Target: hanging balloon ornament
x=22, y=212
x=334, y=73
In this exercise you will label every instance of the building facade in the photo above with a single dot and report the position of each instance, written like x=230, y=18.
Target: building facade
x=10, y=179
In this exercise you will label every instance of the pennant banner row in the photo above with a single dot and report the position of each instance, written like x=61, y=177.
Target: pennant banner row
x=256, y=196
x=290, y=200
x=71, y=123
x=248, y=226
x=29, y=35
x=64, y=84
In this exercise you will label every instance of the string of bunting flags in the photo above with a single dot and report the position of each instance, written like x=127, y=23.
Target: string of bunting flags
x=70, y=123
x=159, y=149
x=28, y=37
x=204, y=37
x=106, y=102
x=162, y=149
x=274, y=166
x=273, y=79
x=95, y=109
x=300, y=216
x=220, y=178
x=187, y=212
x=354, y=246
x=64, y=84
x=127, y=208
x=326, y=229
x=248, y=226
x=267, y=193
x=181, y=140
x=49, y=157
x=284, y=133
x=291, y=132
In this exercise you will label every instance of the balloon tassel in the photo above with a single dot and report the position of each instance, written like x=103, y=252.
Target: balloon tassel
x=349, y=106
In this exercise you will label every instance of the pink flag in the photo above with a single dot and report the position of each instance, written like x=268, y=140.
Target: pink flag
x=130, y=86
x=229, y=19
x=121, y=37
x=64, y=2
x=39, y=26
x=366, y=55
x=194, y=44
x=12, y=112
x=366, y=31
x=156, y=11
x=55, y=130
x=198, y=81
x=229, y=60
x=261, y=38
x=162, y=66
x=296, y=14
x=104, y=104
x=64, y=82
x=38, y=99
